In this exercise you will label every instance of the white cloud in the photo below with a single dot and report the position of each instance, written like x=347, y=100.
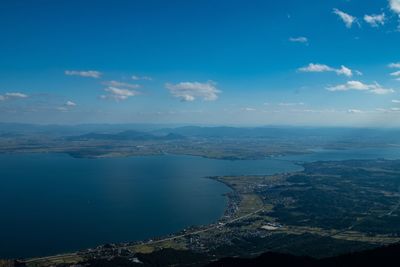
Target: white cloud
x=375, y=20
x=146, y=78
x=248, y=109
x=346, y=18
x=396, y=101
x=359, y=73
x=316, y=68
x=62, y=109
x=121, y=84
x=88, y=73
x=396, y=73
x=354, y=111
x=70, y=103
x=381, y=91
x=12, y=95
x=15, y=95
x=344, y=71
x=312, y=67
x=118, y=93
x=300, y=39
x=67, y=106
x=119, y=90
x=395, y=6
x=288, y=104
x=394, y=65
x=189, y=91
x=374, y=88
x=386, y=110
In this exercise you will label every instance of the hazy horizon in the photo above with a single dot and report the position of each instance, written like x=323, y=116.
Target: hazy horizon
x=177, y=125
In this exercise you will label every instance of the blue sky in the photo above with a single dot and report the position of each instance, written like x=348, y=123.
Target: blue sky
x=201, y=62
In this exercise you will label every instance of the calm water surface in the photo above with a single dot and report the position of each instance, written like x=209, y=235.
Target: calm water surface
x=52, y=203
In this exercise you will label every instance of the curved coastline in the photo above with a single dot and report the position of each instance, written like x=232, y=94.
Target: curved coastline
x=230, y=204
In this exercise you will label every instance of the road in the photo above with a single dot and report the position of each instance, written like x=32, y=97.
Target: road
x=61, y=257
x=202, y=230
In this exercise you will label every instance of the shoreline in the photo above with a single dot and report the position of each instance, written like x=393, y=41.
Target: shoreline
x=233, y=198
x=243, y=207
x=117, y=154
x=231, y=208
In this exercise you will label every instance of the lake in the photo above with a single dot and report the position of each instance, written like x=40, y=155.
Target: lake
x=53, y=203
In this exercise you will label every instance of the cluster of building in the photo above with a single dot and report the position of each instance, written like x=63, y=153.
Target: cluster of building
x=108, y=252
